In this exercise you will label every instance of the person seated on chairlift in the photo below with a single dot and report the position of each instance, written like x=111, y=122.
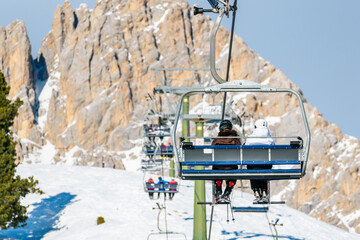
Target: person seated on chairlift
x=260, y=187
x=162, y=181
x=151, y=194
x=225, y=131
x=172, y=189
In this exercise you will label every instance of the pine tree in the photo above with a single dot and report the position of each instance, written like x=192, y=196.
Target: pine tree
x=12, y=187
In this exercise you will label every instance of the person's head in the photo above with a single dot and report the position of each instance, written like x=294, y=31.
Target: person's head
x=160, y=178
x=225, y=125
x=261, y=123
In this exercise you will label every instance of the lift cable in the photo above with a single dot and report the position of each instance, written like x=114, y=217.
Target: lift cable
x=229, y=56
x=267, y=218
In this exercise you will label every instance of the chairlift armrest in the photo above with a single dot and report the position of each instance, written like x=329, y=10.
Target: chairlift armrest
x=187, y=145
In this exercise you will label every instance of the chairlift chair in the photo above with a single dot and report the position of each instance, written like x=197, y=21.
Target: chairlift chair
x=295, y=153
x=168, y=188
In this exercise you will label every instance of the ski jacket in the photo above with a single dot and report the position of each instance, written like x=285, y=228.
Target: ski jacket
x=150, y=181
x=226, y=141
x=260, y=132
x=172, y=188
x=162, y=181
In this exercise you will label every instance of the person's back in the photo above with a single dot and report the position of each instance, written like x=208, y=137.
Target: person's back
x=225, y=131
x=226, y=141
x=150, y=187
x=260, y=136
x=173, y=185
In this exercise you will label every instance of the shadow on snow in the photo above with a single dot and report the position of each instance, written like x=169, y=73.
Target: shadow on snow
x=42, y=219
x=249, y=235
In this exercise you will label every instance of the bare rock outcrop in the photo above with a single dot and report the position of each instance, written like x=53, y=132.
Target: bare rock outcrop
x=17, y=65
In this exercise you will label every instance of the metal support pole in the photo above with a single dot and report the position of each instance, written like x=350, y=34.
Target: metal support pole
x=199, y=226
x=172, y=168
x=185, y=123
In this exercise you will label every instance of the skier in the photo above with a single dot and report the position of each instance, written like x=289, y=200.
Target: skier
x=225, y=131
x=172, y=189
x=260, y=187
x=150, y=181
x=162, y=188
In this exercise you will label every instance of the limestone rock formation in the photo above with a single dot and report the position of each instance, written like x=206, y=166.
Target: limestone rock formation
x=17, y=65
x=84, y=96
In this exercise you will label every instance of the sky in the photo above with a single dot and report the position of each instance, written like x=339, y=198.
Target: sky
x=315, y=43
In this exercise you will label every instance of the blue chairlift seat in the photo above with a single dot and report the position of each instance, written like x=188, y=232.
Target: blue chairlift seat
x=288, y=157
x=168, y=151
x=161, y=188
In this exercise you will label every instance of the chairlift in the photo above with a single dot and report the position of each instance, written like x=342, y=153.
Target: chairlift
x=171, y=189
x=154, y=130
x=151, y=164
x=153, y=188
x=166, y=151
x=292, y=157
x=187, y=155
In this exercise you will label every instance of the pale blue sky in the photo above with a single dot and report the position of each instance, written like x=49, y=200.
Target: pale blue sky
x=315, y=43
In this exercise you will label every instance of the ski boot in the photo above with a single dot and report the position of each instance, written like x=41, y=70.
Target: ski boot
x=264, y=197
x=257, y=197
x=218, y=190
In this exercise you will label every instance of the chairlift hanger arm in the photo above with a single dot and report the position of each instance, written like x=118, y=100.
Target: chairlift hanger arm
x=221, y=11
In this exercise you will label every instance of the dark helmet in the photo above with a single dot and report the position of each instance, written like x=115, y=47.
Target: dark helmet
x=225, y=124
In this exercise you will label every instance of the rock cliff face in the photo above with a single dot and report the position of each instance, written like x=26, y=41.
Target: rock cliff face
x=84, y=95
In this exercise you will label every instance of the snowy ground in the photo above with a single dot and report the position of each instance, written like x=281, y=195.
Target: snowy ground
x=75, y=196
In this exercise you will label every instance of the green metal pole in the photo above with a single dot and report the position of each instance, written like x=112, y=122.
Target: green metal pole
x=199, y=226
x=172, y=168
x=185, y=123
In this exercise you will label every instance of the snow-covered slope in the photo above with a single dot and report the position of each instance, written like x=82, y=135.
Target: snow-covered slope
x=75, y=196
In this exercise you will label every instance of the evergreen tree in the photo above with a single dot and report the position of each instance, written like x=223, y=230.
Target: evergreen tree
x=12, y=187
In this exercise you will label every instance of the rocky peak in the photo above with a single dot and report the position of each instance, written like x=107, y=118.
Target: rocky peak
x=16, y=60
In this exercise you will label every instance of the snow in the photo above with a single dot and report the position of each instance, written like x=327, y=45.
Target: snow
x=44, y=90
x=129, y=163
x=155, y=25
x=266, y=81
x=69, y=156
x=75, y=196
x=82, y=6
x=45, y=155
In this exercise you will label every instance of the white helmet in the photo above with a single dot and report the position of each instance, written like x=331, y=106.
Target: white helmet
x=261, y=123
